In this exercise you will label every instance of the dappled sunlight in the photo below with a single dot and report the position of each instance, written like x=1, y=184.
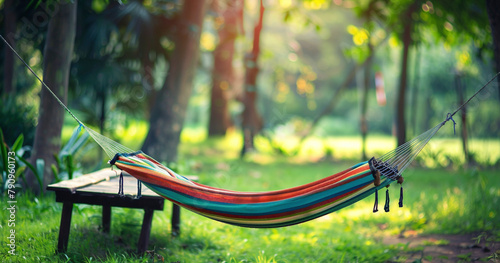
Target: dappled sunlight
x=251, y=96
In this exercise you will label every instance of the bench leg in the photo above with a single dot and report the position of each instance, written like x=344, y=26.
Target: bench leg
x=145, y=231
x=176, y=220
x=106, y=218
x=67, y=211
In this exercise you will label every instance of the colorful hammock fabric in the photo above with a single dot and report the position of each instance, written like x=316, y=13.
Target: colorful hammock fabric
x=255, y=209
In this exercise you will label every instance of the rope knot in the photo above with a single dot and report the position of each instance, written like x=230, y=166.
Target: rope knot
x=450, y=117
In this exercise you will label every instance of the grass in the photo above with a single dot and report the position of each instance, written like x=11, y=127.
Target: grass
x=441, y=200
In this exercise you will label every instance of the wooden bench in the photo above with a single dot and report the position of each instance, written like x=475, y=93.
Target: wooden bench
x=101, y=188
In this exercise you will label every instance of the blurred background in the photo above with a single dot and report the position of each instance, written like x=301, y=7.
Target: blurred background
x=255, y=96
x=341, y=79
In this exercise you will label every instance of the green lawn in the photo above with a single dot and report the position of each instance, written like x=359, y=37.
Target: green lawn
x=438, y=200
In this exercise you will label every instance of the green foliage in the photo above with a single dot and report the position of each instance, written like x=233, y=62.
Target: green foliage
x=436, y=201
x=66, y=168
x=352, y=234
x=18, y=152
x=17, y=118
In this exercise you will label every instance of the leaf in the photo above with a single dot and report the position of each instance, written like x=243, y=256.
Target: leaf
x=38, y=2
x=78, y=144
x=58, y=160
x=3, y=149
x=69, y=166
x=19, y=171
x=55, y=172
x=37, y=174
x=18, y=143
x=74, y=137
x=40, y=166
x=23, y=149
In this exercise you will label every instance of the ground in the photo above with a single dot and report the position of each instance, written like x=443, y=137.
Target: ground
x=446, y=248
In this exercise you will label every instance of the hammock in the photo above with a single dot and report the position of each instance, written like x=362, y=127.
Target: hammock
x=267, y=209
x=259, y=209
x=274, y=208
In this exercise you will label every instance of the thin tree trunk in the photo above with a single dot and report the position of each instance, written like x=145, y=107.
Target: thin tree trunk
x=460, y=93
x=401, y=101
x=252, y=122
x=493, y=7
x=58, y=52
x=169, y=110
x=222, y=75
x=414, y=93
x=364, y=102
x=10, y=30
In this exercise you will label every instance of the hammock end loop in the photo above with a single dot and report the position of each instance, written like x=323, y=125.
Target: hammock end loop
x=375, y=205
x=120, y=186
x=139, y=190
x=401, y=197
x=387, y=200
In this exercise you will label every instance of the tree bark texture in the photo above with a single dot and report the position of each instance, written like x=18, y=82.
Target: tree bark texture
x=401, y=99
x=222, y=75
x=58, y=52
x=252, y=121
x=493, y=8
x=169, y=110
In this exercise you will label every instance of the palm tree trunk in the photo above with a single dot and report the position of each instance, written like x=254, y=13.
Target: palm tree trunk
x=58, y=52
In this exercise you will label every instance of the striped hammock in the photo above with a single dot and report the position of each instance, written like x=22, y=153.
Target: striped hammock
x=274, y=208
x=255, y=209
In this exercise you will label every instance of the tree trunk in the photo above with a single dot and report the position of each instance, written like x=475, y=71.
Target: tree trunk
x=169, y=110
x=222, y=75
x=10, y=30
x=460, y=93
x=493, y=7
x=414, y=92
x=252, y=122
x=58, y=52
x=401, y=101
x=364, y=102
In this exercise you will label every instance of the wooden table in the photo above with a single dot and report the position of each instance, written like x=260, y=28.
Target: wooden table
x=101, y=188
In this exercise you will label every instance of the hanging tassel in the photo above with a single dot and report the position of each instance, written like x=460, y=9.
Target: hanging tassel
x=386, y=207
x=375, y=206
x=401, y=196
x=139, y=189
x=120, y=186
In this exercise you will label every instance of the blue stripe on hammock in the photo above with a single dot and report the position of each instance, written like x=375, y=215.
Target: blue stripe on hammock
x=266, y=208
